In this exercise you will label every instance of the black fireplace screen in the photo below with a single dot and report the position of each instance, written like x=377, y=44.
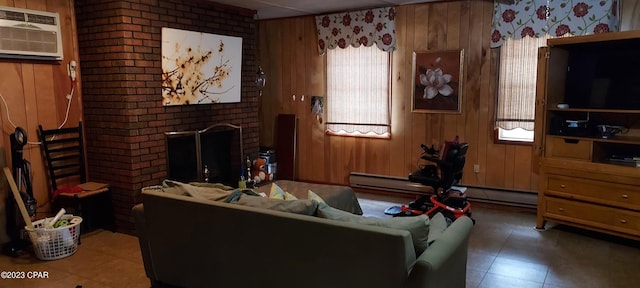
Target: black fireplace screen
x=216, y=149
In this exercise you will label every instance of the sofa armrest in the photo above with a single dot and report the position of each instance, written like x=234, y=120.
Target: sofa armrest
x=444, y=263
x=138, y=216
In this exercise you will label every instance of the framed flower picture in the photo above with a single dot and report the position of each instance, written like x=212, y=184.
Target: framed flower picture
x=437, y=81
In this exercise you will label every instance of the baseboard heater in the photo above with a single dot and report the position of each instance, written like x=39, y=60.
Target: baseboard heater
x=403, y=185
x=386, y=183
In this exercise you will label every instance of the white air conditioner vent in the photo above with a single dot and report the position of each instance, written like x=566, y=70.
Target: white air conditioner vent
x=30, y=34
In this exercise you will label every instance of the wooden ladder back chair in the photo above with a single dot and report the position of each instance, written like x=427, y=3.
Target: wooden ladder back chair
x=63, y=150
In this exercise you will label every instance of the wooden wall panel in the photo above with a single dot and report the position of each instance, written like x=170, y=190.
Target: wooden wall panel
x=34, y=92
x=421, y=27
x=315, y=75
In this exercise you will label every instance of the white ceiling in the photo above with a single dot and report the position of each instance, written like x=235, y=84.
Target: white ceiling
x=268, y=9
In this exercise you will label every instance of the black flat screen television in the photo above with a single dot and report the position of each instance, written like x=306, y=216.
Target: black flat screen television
x=603, y=76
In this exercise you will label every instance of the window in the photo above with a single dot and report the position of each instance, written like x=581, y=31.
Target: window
x=515, y=109
x=515, y=135
x=358, y=85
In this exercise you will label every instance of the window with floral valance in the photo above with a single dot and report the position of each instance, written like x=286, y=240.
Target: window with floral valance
x=536, y=18
x=519, y=30
x=355, y=28
x=358, y=74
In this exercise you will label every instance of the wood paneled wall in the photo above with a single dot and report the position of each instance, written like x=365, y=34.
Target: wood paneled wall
x=35, y=93
x=291, y=60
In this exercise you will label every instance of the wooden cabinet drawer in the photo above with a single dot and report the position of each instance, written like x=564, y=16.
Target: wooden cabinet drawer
x=627, y=220
x=578, y=210
x=593, y=215
x=609, y=193
x=568, y=148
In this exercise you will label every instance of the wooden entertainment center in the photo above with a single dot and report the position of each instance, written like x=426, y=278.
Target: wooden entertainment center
x=588, y=133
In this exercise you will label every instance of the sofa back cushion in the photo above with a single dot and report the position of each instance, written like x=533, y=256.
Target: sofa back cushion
x=418, y=226
x=304, y=207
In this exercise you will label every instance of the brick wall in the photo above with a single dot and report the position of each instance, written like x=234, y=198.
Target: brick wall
x=120, y=67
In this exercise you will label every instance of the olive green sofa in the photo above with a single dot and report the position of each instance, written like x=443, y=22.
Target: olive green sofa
x=191, y=242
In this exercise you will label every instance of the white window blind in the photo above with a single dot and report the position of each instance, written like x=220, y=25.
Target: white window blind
x=358, y=85
x=517, y=83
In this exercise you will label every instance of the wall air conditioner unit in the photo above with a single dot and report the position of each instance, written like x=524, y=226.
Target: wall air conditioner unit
x=30, y=34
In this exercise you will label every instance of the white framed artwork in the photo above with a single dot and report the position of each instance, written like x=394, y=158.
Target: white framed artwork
x=200, y=68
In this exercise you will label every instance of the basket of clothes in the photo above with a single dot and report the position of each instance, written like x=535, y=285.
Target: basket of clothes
x=56, y=240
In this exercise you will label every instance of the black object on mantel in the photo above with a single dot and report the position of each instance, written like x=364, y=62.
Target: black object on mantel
x=285, y=144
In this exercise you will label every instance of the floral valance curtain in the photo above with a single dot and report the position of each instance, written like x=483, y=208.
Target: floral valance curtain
x=535, y=18
x=357, y=28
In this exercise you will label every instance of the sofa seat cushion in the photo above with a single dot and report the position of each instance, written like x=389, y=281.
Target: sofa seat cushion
x=417, y=226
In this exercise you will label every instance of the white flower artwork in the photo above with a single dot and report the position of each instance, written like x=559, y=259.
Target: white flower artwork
x=200, y=68
x=437, y=84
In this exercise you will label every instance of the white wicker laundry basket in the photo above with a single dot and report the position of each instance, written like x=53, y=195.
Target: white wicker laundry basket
x=55, y=243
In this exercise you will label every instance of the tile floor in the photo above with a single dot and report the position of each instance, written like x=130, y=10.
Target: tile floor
x=104, y=259
x=504, y=251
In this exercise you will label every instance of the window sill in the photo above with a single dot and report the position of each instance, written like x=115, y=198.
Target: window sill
x=509, y=142
x=357, y=134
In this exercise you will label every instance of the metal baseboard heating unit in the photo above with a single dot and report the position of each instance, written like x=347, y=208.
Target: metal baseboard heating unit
x=30, y=34
x=403, y=185
x=386, y=183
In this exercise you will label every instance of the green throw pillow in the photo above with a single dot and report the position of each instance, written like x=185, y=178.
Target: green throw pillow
x=277, y=193
x=313, y=196
x=418, y=226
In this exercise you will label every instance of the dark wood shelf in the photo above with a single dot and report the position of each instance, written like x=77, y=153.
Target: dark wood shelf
x=595, y=110
x=616, y=139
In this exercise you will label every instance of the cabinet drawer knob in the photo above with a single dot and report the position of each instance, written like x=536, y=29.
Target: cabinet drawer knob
x=563, y=186
x=625, y=196
x=561, y=209
x=623, y=221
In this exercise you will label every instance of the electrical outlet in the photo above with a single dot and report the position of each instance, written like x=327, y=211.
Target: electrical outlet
x=476, y=168
x=72, y=70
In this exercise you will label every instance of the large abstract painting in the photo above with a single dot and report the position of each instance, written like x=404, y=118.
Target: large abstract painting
x=200, y=68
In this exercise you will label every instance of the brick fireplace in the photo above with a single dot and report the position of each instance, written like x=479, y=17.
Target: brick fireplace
x=120, y=65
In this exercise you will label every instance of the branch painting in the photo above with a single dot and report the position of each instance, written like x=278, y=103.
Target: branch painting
x=200, y=68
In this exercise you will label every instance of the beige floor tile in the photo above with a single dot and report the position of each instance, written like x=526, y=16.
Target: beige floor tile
x=83, y=262
x=519, y=269
x=479, y=260
x=474, y=277
x=120, y=273
x=499, y=281
x=578, y=274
